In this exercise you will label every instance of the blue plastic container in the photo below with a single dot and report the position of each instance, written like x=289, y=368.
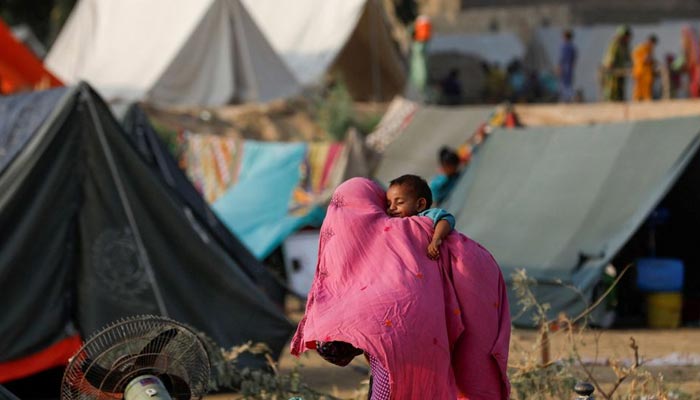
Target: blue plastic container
x=660, y=274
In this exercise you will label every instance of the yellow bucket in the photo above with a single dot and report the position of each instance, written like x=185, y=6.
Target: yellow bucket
x=664, y=309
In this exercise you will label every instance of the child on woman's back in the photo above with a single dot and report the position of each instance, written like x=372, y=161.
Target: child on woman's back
x=410, y=195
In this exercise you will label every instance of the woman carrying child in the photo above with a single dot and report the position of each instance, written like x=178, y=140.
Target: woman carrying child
x=436, y=329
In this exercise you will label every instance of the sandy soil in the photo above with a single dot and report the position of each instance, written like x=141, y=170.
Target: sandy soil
x=662, y=347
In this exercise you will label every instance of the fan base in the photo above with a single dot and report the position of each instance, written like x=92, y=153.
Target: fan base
x=146, y=387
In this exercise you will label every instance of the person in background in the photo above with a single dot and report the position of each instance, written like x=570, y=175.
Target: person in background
x=617, y=58
x=643, y=69
x=688, y=61
x=422, y=32
x=674, y=75
x=517, y=81
x=442, y=184
x=451, y=88
x=567, y=61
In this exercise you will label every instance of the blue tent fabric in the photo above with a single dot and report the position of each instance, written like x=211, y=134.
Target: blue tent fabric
x=561, y=202
x=256, y=209
x=23, y=114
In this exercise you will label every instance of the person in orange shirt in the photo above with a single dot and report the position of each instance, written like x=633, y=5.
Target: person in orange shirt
x=643, y=65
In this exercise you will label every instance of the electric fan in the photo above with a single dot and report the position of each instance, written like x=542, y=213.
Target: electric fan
x=143, y=357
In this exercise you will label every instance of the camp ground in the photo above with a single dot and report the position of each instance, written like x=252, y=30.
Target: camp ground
x=181, y=159
x=122, y=233
x=143, y=61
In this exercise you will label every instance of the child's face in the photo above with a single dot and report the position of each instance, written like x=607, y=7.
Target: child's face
x=403, y=202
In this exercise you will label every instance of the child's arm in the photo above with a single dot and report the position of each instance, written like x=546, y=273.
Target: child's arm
x=442, y=229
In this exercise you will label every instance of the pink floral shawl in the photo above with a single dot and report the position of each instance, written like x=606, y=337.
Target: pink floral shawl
x=441, y=328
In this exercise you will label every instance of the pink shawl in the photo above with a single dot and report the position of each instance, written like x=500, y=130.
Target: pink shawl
x=441, y=328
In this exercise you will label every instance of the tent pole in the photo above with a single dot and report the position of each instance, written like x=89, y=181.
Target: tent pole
x=374, y=20
x=125, y=202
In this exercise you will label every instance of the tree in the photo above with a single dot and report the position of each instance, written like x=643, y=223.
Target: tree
x=44, y=17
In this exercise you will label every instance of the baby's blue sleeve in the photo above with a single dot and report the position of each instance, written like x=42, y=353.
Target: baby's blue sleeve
x=437, y=214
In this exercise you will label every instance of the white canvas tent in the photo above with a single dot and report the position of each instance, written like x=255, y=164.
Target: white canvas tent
x=592, y=43
x=351, y=37
x=500, y=48
x=170, y=52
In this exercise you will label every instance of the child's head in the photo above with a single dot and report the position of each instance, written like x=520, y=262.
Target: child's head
x=408, y=195
x=449, y=161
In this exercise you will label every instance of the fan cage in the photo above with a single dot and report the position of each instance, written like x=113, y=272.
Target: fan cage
x=135, y=346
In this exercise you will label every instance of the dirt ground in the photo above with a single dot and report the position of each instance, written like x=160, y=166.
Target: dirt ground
x=673, y=353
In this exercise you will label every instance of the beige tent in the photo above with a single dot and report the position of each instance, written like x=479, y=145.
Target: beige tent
x=350, y=37
x=171, y=52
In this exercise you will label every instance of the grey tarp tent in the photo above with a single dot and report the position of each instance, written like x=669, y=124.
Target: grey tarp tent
x=170, y=52
x=90, y=232
x=561, y=202
x=415, y=151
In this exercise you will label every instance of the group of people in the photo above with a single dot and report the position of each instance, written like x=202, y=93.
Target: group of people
x=620, y=63
x=617, y=62
x=396, y=283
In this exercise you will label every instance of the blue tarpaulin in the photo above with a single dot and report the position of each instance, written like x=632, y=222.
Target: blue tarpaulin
x=256, y=208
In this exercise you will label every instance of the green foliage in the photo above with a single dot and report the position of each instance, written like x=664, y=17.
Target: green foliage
x=44, y=17
x=255, y=383
x=169, y=136
x=406, y=11
x=368, y=123
x=335, y=111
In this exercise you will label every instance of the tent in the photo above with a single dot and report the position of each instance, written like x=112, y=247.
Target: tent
x=415, y=150
x=96, y=226
x=350, y=37
x=592, y=42
x=265, y=191
x=178, y=52
x=19, y=68
x=560, y=202
x=495, y=48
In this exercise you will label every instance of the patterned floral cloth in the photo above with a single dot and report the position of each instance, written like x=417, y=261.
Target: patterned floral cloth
x=376, y=289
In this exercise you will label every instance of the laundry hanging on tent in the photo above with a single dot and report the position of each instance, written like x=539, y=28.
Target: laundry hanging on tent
x=264, y=191
x=212, y=163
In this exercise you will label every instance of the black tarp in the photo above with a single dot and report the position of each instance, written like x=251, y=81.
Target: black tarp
x=144, y=137
x=90, y=233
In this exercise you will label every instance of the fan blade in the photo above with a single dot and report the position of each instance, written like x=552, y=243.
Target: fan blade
x=150, y=352
x=102, y=378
